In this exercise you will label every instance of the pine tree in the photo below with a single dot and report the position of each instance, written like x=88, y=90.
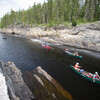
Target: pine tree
x=54, y=11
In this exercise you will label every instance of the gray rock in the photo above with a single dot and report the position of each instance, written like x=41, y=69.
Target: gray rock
x=83, y=36
x=44, y=86
x=17, y=88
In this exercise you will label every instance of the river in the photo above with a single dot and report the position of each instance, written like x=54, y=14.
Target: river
x=27, y=55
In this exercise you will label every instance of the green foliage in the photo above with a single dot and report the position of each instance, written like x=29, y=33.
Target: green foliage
x=74, y=23
x=55, y=12
x=51, y=23
x=67, y=23
x=0, y=25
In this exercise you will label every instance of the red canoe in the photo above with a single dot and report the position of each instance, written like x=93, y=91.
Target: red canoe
x=46, y=47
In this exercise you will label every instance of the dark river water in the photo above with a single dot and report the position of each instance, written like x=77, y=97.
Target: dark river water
x=27, y=55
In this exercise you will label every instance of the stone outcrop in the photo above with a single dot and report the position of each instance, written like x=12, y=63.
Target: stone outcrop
x=86, y=39
x=84, y=36
x=44, y=86
x=23, y=31
x=39, y=81
x=17, y=89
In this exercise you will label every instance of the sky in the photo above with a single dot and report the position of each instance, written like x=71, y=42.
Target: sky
x=7, y=5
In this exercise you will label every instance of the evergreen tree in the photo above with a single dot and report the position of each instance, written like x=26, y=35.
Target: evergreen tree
x=54, y=11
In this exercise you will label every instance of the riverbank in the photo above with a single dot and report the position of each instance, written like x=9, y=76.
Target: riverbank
x=86, y=36
x=27, y=55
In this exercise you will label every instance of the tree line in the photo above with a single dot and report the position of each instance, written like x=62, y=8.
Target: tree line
x=55, y=12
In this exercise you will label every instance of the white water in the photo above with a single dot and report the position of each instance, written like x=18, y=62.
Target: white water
x=36, y=40
x=3, y=87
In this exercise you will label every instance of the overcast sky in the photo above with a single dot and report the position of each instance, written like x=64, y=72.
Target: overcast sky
x=7, y=5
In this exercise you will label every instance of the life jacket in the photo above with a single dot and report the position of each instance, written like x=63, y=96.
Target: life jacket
x=95, y=76
x=66, y=49
x=81, y=70
x=76, y=66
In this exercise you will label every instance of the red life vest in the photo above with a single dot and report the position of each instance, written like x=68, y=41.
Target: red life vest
x=76, y=66
x=95, y=76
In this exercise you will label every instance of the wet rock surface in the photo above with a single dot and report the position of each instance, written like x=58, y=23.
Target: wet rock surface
x=44, y=86
x=17, y=88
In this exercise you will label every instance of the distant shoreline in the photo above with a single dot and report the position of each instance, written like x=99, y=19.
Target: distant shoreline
x=86, y=36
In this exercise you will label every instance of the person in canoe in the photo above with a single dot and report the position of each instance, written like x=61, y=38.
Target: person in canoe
x=46, y=45
x=96, y=76
x=76, y=53
x=77, y=67
x=66, y=50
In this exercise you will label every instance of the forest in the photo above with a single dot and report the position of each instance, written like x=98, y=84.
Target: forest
x=55, y=12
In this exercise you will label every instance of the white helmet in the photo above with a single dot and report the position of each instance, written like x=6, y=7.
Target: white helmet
x=77, y=63
x=96, y=73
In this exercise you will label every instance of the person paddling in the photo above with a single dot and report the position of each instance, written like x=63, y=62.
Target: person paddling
x=46, y=45
x=77, y=67
x=76, y=53
x=96, y=76
x=66, y=50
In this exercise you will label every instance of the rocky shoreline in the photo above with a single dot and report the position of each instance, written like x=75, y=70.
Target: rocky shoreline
x=38, y=85
x=17, y=88
x=86, y=36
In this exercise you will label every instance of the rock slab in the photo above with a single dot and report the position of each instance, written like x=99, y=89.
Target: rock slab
x=17, y=89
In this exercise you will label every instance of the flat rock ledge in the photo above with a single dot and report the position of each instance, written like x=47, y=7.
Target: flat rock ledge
x=44, y=86
x=17, y=89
